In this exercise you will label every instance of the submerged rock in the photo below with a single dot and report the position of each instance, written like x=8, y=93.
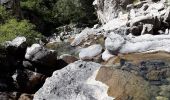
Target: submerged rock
x=74, y=82
x=68, y=58
x=124, y=85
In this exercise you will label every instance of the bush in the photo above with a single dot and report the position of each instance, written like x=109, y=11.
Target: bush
x=4, y=15
x=62, y=11
x=74, y=11
x=13, y=28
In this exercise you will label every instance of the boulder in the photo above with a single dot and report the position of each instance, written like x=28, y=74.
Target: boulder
x=28, y=81
x=38, y=54
x=25, y=96
x=146, y=43
x=68, y=58
x=147, y=19
x=90, y=52
x=147, y=29
x=114, y=42
x=106, y=55
x=18, y=41
x=16, y=48
x=74, y=82
x=85, y=35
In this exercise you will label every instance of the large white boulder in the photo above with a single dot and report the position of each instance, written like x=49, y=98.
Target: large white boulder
x=106, y=55
x=74, y=82
x=114, y=42
x=84, y=35
x=16, y=42
x=32, y=50
x=41, y=55
x=90, y=52
x=147, y=43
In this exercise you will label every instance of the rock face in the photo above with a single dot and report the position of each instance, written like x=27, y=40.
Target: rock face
x=74, y=82
x=109, y=9
x=90, y=52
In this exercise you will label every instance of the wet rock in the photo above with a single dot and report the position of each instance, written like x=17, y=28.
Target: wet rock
x=90, y=52
x=161, y=98
x=75, y=81
x=165, y=91
x=124, y=85
x=25, y=96
x=68, y=58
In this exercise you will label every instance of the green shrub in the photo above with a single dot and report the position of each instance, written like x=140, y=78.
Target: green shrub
x=4, y=15
x=13, y=28
x=74, y=11
x=62, y=11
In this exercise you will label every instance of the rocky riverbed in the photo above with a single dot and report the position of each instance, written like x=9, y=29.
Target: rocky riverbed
x=126, y=57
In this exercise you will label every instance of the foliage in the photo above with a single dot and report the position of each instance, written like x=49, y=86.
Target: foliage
x=13, y=28
x=4, y=15
x=62, y=11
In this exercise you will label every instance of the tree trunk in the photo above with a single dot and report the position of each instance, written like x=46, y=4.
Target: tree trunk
x=17, y=9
